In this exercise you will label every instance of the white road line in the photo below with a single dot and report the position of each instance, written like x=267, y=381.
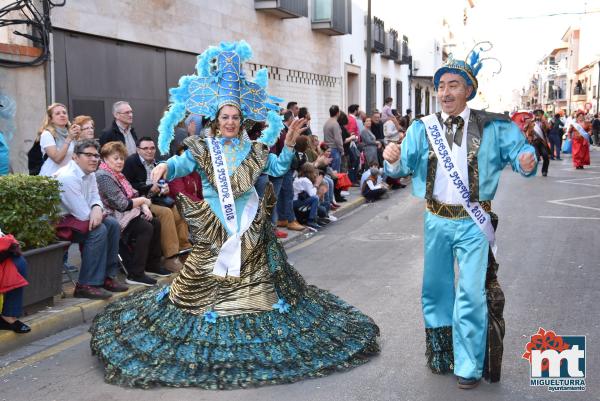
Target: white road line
x=572, y=181
x=563, y=203
x=569, y=217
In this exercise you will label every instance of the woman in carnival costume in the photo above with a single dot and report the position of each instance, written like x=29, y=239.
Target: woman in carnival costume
x=238, y=315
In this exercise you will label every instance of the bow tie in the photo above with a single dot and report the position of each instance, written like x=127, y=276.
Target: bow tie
x=234, y=141
x=455, y=137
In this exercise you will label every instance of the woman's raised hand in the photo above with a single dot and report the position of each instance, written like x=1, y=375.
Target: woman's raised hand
x=294, y=130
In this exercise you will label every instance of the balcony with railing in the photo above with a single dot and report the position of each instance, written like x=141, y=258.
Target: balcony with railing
x=406, y=53
x=283, y=8
x=332, y=17
x=377, y=36
x=392, y=46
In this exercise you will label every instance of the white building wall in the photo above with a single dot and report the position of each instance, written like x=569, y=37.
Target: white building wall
x=193, y=25
x=354, y=45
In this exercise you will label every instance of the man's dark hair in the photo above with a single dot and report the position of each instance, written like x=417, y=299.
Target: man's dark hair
x=144, y=139
x=287, y=115
x=352, y=108
x=408, y=111
x=333, y=110
x=291, y=104
x=557, y=116
x=302, y=112
x=83, y=144
x=389, y=99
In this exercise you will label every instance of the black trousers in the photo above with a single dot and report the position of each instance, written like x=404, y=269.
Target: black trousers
x=541, y=149
x=373, y=194
x=555, y=144
x=140, y=248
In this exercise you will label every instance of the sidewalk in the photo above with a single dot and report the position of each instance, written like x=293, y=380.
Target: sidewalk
x=69, y=312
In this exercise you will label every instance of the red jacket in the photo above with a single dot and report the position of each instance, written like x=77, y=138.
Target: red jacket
x=9, y=275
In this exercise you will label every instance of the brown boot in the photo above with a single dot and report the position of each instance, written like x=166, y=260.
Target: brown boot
x=282, y=223
x=295, y=226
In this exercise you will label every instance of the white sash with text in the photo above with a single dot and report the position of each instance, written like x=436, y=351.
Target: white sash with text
x=229, y=261
x=450, y=168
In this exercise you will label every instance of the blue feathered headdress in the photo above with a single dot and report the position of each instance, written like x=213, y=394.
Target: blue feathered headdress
x=467, y=69
x=219, y=81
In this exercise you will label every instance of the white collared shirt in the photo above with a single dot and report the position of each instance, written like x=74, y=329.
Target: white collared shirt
x=443, y=190
x=79, y=191
x=129, y=141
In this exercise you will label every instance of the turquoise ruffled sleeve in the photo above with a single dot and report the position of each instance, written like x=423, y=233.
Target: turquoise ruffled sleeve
x=180, y=166
x=411, y=153
x=279, y=165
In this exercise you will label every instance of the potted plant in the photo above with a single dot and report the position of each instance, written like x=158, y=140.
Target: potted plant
x=29, y=210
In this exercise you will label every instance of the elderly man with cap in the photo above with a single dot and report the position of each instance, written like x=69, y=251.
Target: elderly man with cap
x=455, y=157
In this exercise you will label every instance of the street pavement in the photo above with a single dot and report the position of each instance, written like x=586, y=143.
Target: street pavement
x=549, y=257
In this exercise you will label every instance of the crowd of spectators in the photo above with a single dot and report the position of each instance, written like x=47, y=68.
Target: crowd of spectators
x=120, y=218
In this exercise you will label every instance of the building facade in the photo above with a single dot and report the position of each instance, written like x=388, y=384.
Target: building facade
x=101, y=52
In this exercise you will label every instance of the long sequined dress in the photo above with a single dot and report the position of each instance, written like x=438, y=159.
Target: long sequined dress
x=266, y=327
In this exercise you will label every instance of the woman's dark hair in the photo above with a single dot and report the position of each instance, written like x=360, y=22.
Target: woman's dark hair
x=301, y=144
x=342, y=118
x=302, y=112
x=255, y=130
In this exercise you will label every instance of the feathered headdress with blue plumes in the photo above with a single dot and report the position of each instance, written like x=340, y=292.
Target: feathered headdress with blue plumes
x=219, y=81
x=467, y=69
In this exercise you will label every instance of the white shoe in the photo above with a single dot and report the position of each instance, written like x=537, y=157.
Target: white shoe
x=344, y=193
x=332, y=217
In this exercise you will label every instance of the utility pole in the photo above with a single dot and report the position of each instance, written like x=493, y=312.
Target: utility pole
x=369, y=40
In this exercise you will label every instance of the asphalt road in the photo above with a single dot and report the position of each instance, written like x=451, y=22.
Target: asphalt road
x=549, y=255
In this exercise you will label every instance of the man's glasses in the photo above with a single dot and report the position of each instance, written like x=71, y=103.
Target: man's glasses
x=125, y=112
x=147, y=148
x=90, y=155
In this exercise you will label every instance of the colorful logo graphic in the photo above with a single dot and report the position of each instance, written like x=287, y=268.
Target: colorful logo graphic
x=557, y=362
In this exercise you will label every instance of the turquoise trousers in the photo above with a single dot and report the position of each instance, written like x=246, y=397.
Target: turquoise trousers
x=461, y=307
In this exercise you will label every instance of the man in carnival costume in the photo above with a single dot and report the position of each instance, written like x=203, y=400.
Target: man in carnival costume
x=455, y=158
x=237, y=315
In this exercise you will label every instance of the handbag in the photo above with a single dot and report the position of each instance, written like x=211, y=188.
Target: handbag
x=567, y=146
x=164, y=200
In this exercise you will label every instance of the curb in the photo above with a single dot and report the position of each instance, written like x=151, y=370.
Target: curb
x=70, y=316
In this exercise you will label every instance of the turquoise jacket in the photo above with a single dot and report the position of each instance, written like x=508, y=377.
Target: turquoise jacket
x=179, y=166
x=493, y=141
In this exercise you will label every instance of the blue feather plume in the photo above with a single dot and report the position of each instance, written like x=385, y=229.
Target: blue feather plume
x=175, y=113
x=270, y=134
x=243, y=49
x=474, y=61
x=262, y=78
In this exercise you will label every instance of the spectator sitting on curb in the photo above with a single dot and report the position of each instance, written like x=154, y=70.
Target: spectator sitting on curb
x=12, y=281
x=121, y=128
x=82, y=212
x=141, y=249
x=174, y=230
x=306, y=199
x=373, y=188
x=86, y=127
